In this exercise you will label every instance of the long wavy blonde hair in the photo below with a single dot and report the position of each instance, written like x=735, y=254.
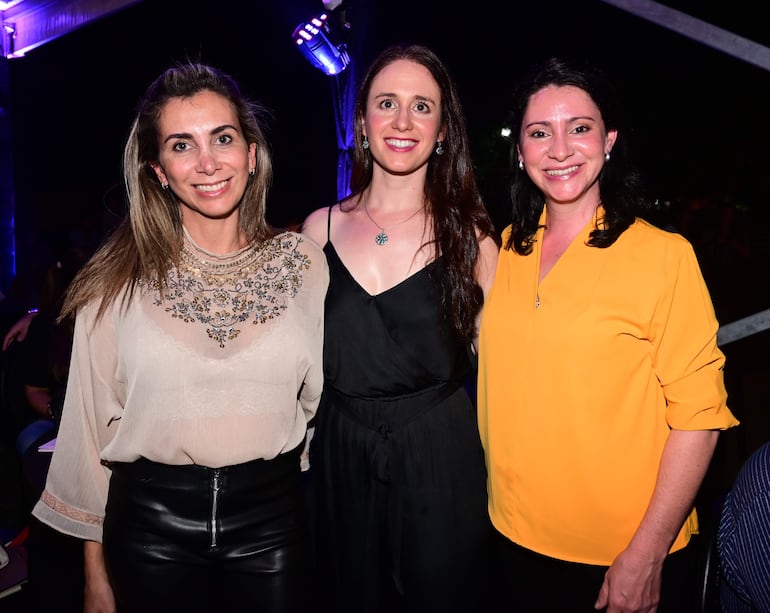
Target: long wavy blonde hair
x=148, y=241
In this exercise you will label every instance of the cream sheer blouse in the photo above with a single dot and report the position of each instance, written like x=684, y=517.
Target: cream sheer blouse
x=222, y=368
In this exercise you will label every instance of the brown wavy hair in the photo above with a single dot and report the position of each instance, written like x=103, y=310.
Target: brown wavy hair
x=451, y=192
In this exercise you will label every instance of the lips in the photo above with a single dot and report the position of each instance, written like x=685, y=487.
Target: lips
x=400, y=143
x=561, y=172
x=212, y=187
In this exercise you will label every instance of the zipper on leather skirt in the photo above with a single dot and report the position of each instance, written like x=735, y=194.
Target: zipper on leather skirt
x=216, y=484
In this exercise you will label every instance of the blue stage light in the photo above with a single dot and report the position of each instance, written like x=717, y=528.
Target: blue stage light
x=312, y=40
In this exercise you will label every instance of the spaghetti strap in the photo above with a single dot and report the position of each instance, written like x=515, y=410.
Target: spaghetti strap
x=329, y=224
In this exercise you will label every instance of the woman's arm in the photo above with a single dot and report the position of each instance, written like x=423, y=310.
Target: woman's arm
x=18, y=331
x=633, y=581
x=39, y=398
x=98, y=596
x=485, y=274
x=77, y=482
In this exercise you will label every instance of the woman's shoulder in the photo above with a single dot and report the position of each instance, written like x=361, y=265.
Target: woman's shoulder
x=658, y=248
x=316, y=224
x=319, y=223
x=643, y=230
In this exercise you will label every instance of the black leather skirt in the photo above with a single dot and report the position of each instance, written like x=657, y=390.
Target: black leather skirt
x=191, y=538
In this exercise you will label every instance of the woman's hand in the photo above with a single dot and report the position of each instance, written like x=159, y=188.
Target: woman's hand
x=632, y=584
x=633, y=581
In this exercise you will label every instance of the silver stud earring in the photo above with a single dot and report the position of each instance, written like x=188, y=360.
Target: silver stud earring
x=365, y=144
x=164, y=185
x=252, y=171
x=521, y=165
x=439, y=147
x=607, y=157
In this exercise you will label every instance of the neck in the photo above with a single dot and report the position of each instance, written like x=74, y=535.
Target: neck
x=395, y=193
x=569, y=218
x=215, y=238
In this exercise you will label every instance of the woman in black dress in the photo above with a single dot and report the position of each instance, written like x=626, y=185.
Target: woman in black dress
x=396, y=461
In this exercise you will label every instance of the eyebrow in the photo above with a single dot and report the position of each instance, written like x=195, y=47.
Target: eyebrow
x=545, y=122
x=214, y=132
x=395, y=95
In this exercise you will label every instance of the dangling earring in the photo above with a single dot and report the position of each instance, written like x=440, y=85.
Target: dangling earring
x=439, y=147
x=607, y=157
x=521, y=164
x=365, y=144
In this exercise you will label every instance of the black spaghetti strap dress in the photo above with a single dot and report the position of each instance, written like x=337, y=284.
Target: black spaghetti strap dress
x=398, y=471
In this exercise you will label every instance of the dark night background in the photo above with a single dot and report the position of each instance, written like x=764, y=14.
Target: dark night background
x=699, y=117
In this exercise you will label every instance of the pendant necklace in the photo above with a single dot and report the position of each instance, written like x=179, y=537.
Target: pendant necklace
x=382, y=237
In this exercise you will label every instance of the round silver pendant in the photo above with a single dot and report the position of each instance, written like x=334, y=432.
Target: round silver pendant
x=381, y=238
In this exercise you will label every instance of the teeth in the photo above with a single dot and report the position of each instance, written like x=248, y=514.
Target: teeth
x=395, y=142
x=562, y=171
x=211, y=188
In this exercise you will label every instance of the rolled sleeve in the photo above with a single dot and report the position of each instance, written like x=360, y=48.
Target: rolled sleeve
x=687, y=360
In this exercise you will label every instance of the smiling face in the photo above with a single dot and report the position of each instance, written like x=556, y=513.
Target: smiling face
x=203, y=156
x=563, y=143
x=402, y=119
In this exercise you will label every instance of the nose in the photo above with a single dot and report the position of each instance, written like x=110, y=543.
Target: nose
x=402, y=119
x=561, y=147
x=207, y=162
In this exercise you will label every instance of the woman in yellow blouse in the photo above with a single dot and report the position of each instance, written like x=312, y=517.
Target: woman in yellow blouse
x=601, y=391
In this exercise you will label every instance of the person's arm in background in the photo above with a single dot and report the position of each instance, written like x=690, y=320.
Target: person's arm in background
x=39, y=398
x=744, y=532
x=35, y=366
x=18, y=331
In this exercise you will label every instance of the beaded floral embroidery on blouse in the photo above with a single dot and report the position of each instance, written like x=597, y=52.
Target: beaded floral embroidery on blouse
x=222, y=292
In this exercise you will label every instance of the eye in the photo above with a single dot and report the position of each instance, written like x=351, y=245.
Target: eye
x=582, y=129
x=422, y=107
x=387, y=104
x=537, y=134
x=180, y=146
x=224, y=139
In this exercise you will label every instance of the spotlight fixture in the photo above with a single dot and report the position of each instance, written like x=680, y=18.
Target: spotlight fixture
x=312, y=40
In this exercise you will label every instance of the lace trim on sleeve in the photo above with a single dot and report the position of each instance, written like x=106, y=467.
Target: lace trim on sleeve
x=69, y=511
